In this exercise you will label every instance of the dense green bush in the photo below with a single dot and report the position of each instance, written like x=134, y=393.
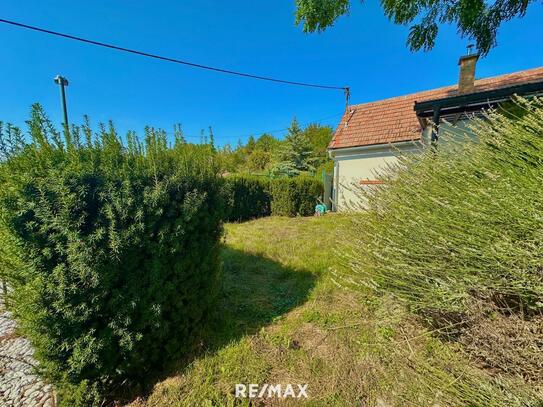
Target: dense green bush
x=295, y=196
x=462, y=224
x=250, y=197
x=117, y=247
x=255, y=197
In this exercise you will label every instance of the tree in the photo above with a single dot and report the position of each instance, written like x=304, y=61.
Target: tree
x=249, y=148
x=230, y=160
x=266, y=142
x=211, y=138
x=296, y=154
x=258, y=160
x=475, y=19
x=319, y=137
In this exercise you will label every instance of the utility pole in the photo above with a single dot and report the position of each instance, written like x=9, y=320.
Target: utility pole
x=62, y=82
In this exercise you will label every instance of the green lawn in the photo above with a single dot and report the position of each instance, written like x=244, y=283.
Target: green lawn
x=282, y=318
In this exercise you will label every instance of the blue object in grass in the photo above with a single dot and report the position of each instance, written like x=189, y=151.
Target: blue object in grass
x=320, y=209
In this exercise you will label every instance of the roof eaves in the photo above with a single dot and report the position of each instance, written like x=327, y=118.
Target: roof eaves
x=486, y=96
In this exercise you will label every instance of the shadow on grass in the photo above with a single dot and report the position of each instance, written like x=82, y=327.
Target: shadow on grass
x=254, y=291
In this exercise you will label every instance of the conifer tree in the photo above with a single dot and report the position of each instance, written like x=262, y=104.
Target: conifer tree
x=211, y=138
x=296, y=154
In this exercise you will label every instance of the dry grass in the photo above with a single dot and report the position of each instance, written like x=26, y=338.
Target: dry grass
x=351, y=347
x=508, y=344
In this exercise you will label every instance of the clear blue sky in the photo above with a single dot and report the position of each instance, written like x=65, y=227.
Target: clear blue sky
x=363, y=51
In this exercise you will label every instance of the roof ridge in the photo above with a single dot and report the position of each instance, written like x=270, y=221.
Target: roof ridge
x=442, y=88
x=539, y=68
x=401, y=96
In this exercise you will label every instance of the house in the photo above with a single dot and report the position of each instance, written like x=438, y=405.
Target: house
x=370, y=135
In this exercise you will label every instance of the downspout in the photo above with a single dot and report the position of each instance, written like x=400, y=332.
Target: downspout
x=435, y=130
x=335, y=182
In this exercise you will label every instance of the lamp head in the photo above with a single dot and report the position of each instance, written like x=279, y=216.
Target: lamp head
x=60, y=80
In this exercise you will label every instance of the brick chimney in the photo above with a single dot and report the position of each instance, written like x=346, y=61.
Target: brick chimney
x=467, y=63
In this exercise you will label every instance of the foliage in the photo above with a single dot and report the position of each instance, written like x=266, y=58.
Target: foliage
x=231, y=159
x=462, y=225
x=296, y=155
x=318, y=15
x=267, y=143
x=267, y=154
x=319, y=137
x=251, y=144
x=255, y=197
x=118, y=245
x=250, y=197
x=478, y=20
x=295, y=196
x=259, y=160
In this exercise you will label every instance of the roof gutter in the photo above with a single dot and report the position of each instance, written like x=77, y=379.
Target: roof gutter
x=332, y=152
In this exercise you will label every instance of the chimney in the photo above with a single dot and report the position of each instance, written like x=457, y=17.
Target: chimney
x=467, y=63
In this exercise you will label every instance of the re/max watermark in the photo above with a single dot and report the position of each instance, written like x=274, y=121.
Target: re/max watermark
x=254, y=391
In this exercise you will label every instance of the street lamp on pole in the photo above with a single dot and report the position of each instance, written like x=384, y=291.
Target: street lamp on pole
x=62, y=82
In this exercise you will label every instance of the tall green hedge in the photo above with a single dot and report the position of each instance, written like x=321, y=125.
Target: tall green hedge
x=118, y=245
x=250, y=197
x=295, y=196
x=254, y=197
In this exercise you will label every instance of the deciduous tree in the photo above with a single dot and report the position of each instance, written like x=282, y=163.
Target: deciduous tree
x=475, y=19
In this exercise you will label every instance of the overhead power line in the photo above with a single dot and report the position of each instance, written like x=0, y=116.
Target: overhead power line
x=174, y=60
x=286, y=128
x=255, y=133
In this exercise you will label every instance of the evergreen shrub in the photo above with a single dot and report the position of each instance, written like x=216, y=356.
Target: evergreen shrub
x=296, y=196
x=116, y=247
x=254, y=197
x=250, y=197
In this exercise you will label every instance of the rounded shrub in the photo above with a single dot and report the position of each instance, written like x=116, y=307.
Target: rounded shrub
x=116, y=246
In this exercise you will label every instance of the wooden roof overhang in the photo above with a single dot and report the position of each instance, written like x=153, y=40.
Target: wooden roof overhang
x=473, y=102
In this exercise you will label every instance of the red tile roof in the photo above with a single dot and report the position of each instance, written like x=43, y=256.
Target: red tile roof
x=393, y=120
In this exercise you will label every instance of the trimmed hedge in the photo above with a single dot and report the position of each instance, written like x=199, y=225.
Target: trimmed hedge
x=250, y=197
x=255, y=197
x=120, y=248
x=295, y=196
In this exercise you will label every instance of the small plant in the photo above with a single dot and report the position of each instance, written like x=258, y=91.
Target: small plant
x=114, y=250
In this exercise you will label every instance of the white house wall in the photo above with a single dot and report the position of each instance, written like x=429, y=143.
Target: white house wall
x=354, y=165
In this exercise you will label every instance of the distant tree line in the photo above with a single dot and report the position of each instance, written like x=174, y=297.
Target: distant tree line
x=302, y=151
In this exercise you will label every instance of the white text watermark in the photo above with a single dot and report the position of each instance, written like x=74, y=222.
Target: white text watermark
x=260, y=391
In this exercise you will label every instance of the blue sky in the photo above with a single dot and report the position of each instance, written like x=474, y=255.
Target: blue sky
x=363, y=51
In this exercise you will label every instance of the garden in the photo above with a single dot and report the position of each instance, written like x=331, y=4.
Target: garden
x=143, y=272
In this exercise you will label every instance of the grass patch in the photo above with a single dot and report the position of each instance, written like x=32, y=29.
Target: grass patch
x=283, y=320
